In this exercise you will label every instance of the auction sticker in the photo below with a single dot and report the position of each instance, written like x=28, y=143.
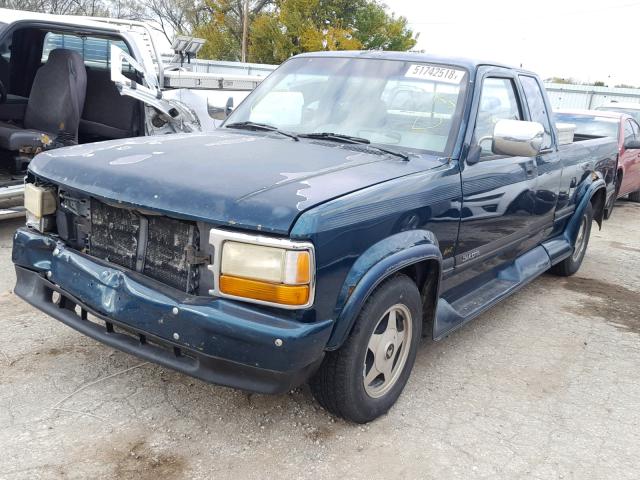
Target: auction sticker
x=435, y=73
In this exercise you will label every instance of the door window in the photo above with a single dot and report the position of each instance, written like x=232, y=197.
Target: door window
x=498, y=101
x=537, y=107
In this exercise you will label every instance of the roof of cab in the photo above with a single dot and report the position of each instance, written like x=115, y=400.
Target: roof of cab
x=8, y=16
x=468, y=63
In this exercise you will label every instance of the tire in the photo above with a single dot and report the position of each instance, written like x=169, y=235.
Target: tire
x=635, y=197
x=339, y=383
x=571, y=265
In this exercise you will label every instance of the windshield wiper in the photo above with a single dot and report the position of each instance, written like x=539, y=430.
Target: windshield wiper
x=261, y=127
x=339, y=137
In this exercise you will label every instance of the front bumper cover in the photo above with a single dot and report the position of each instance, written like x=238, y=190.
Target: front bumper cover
x=219, y=341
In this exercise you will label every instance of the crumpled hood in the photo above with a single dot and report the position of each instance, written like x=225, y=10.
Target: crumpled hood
x=224, y=177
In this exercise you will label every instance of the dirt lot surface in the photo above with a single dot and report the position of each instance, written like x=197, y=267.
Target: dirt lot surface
x=546, y=385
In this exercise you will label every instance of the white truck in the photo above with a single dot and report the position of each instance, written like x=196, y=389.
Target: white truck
x=67, y=80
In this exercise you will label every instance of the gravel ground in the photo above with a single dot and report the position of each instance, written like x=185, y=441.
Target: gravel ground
x=545, y=385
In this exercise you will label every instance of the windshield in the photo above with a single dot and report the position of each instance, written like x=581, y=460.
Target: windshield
x=629, y=111
x=405, y=105
x=591, y=125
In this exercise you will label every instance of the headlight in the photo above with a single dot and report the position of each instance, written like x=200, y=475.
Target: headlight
x=41, y=204
x=263, y=270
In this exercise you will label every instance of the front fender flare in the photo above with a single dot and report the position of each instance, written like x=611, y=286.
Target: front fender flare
x=376, y=264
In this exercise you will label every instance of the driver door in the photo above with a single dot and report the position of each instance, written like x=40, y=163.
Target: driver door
x=499, y=192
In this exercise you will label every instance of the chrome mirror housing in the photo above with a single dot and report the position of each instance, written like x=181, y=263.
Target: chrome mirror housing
x=517, y=138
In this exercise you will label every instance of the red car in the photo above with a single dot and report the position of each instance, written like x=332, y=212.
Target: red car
x=592, y=123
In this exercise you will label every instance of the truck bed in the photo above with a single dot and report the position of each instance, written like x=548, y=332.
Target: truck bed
x=602, y=151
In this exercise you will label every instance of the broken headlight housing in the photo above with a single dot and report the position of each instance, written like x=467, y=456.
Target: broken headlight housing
x=263, y=270
x=41, y=203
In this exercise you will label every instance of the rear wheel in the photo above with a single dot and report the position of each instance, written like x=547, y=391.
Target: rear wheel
x=364, y=378
x=571, y=265
x=635, y=196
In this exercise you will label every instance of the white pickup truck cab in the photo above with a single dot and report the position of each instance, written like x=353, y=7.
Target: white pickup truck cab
x=67, y=80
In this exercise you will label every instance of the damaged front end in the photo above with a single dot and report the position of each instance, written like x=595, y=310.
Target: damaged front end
x=142, y=282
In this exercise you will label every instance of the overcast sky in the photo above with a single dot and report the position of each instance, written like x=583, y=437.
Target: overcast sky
x=585, y=39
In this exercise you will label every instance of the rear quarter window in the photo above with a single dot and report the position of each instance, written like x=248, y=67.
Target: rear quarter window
x=94, y=50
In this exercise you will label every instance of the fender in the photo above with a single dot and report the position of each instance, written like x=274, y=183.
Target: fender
x=586, y=193
x=375, y=265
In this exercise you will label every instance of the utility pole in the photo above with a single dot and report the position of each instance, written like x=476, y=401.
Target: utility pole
x=245, y=29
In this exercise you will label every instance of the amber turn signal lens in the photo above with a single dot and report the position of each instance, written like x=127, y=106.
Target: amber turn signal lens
x=266, y=292
x=303, y=268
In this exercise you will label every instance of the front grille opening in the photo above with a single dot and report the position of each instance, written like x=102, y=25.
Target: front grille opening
x=168, y=241
x=114, y=234
x=154, y=245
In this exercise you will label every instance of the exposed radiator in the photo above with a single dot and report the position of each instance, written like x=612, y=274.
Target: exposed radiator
x=158, y=247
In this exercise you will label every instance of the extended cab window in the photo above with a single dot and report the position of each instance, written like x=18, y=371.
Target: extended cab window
x=537, y=107
x=94, y=50
x=498, y=101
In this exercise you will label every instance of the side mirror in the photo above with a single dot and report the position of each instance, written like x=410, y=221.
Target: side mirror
x=632, y=145
x=229, y=107
x=517, y=138
x=221, y=113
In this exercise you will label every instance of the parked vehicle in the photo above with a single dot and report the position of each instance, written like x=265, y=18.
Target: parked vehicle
x=66, y=80
x=354, y=202
x=630, y=108
x=624, y=128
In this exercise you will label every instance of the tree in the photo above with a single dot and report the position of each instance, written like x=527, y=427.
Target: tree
x=168, y=16
x=297, y=26
x=61, y=7
x=378, y=30
x=564, y=81
x=174, y=17
x=227, y=21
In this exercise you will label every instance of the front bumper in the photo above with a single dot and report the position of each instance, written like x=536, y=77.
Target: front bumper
x=216, y=340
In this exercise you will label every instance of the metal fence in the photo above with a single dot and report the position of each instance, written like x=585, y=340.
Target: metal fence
x=587, y=96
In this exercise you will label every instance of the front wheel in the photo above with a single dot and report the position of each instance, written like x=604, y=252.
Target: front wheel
x=571, y=265
x=364, y=378
x=635, y=196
